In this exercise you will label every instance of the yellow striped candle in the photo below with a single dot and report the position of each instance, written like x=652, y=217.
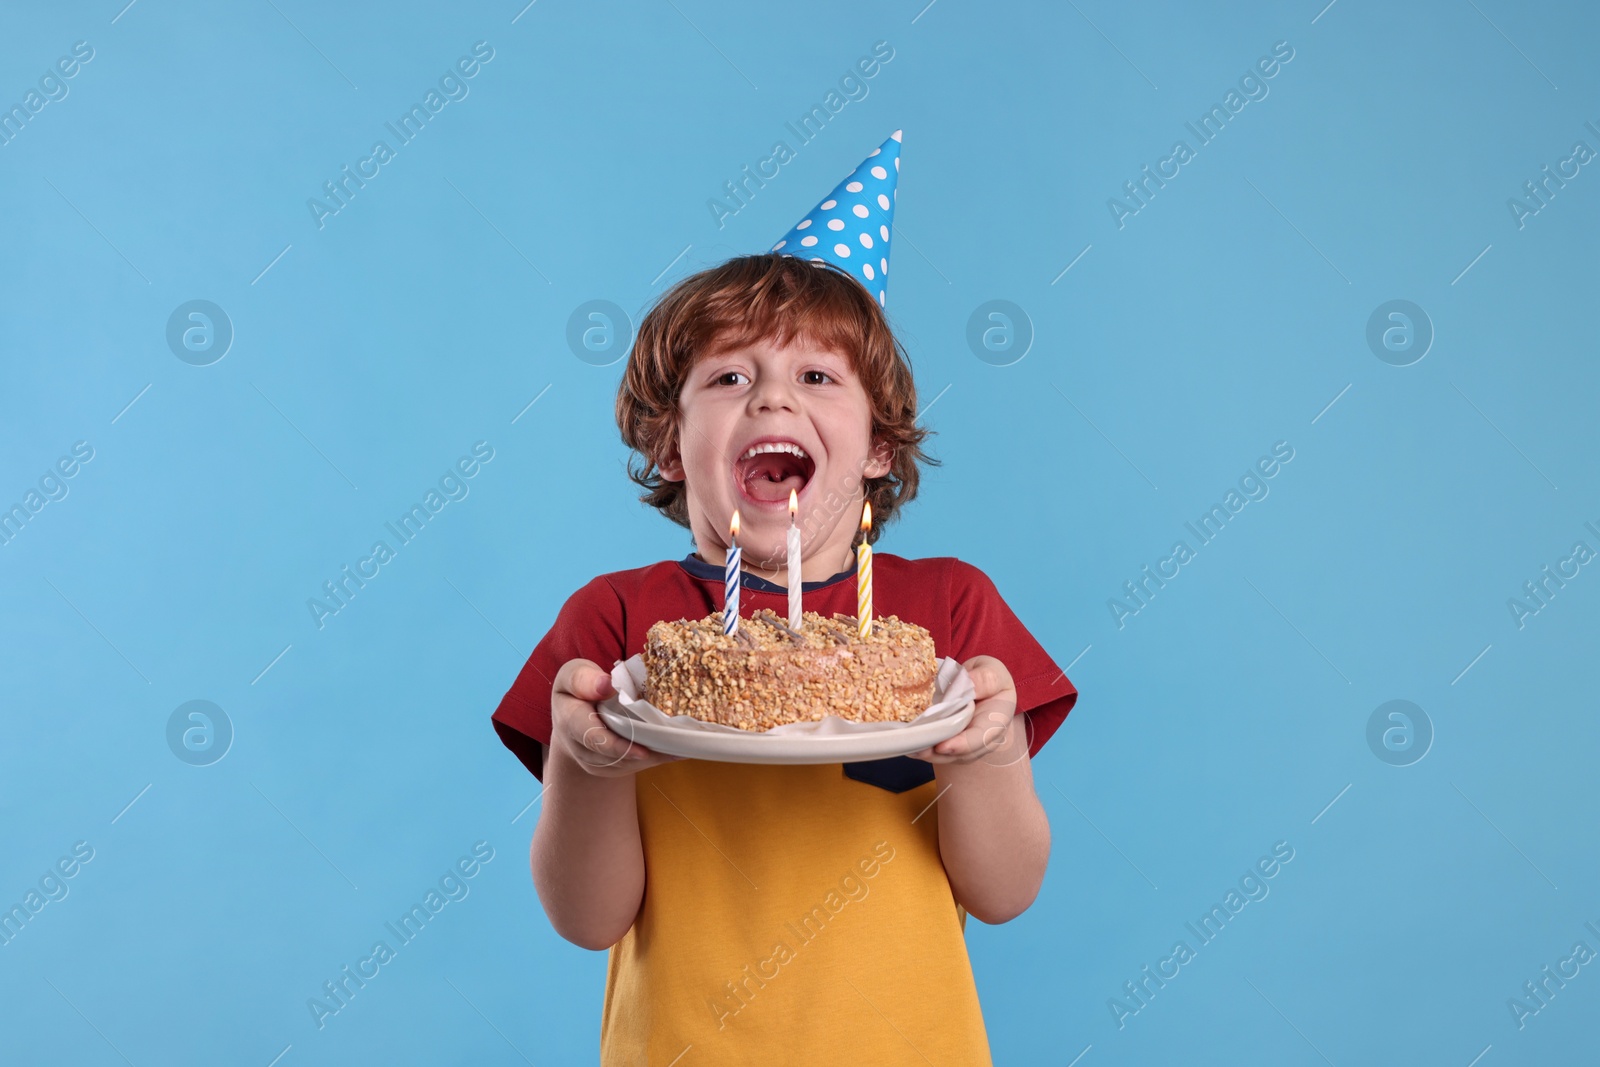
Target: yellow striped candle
x=864, y=576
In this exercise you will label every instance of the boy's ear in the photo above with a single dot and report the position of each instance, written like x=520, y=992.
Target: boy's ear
x=881, y=461
x=671, y=464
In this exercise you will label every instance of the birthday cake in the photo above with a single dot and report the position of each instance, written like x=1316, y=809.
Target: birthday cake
x=765, y=674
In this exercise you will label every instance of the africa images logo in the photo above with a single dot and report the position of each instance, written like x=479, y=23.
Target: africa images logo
x=1253, y=487
x=806, y=128
x=453, y=486
x=453, y=886
x=854, y=885
x=1252, y=887
x=1252, y=84
x=452, y=88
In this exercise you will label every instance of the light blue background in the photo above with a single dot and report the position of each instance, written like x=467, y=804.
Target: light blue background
x=1227, y=315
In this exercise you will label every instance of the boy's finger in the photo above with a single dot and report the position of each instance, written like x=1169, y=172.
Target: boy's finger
x=980, y=678
x=989, y=677
x=595, y=684
x=985, y=679
x=996, y=728
x=958, y=745
x=602, y=742
x=973, y=742
x=587, y=682
x=618, y=748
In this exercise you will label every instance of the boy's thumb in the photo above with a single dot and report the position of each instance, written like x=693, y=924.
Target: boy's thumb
x=597, y=684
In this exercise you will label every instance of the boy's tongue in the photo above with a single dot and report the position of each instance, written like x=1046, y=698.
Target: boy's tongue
x=771, y=475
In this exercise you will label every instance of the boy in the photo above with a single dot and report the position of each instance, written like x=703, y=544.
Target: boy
x=782, y=914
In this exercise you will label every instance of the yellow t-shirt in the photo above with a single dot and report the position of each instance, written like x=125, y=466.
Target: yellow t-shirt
x=792, y=915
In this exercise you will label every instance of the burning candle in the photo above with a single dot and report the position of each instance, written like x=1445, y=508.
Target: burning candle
x=794, y=564
x=864, y=575
x=730, y=580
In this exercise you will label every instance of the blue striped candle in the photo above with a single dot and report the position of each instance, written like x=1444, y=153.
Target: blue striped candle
x=730, y=580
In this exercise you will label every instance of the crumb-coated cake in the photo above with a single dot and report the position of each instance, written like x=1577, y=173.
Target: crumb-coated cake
x=766, y=674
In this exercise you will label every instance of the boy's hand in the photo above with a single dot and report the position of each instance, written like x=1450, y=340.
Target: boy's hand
x=993, y=735
x=578, y=731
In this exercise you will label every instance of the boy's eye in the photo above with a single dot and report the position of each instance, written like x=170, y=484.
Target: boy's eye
x=810, y=377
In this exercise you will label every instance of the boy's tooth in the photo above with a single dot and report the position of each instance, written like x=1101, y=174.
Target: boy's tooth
x=775, y=447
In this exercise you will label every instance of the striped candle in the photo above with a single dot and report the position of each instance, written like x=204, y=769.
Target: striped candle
x=730, y=580
x=864, y=576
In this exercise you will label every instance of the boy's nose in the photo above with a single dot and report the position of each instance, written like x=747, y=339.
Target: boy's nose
x=773, y=394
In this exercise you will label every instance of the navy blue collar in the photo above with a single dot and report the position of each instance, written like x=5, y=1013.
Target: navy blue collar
x=701, y=569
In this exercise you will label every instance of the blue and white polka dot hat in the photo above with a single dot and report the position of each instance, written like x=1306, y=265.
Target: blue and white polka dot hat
x=851, y=228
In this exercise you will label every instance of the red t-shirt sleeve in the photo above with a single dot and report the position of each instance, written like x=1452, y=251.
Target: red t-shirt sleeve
x=588, y=626
x=982, y=624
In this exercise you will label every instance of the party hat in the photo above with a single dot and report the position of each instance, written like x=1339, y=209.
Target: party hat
x=851, y=227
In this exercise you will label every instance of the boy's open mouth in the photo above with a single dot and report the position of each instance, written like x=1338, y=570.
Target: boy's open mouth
x=773, y=470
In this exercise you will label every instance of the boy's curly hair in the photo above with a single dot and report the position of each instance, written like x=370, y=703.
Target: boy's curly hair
x=780, y=299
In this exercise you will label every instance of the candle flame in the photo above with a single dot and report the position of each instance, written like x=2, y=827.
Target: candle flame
x=794, y=504
x=866, y=516
x=733, y=528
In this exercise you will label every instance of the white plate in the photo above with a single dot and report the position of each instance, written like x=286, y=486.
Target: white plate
x=828, y=740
